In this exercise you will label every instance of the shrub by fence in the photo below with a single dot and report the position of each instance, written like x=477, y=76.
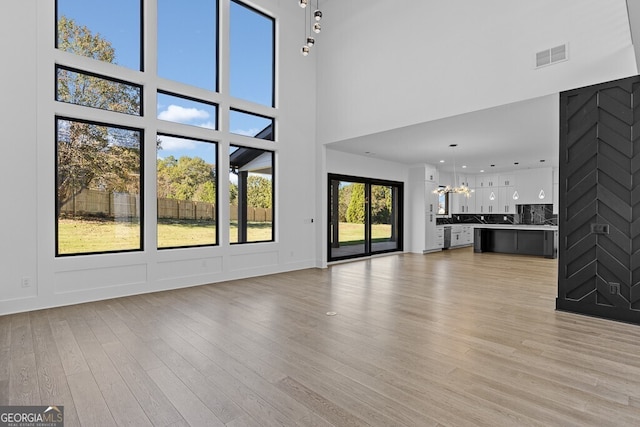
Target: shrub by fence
x=121, y=205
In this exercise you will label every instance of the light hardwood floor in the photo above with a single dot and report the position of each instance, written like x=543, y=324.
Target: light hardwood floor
x=453, y=338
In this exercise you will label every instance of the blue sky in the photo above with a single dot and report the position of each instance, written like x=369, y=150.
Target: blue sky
x=187, y=53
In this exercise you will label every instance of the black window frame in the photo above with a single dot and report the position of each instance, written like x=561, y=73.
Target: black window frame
x=216, y=183
x=193, y=99
x=273, y=197
x=217, y=53
x=58, y=117
x=273, y=43
x=99, y=76
x=272, y=125
x=368, y=182
x=141, y=35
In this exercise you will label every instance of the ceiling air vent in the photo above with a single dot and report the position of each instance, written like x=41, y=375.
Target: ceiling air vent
x=551, y=56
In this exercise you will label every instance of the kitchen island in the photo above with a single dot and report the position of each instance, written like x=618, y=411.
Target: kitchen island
x=539, y=240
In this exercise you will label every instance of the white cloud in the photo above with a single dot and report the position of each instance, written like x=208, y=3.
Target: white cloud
x=178, y=114
x=169, y=143
x=207, y=125
x=246, y=132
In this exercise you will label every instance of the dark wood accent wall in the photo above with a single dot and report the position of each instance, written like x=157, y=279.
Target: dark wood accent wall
x=599, y=216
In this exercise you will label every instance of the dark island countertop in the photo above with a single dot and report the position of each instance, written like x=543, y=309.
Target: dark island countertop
x=538, y=240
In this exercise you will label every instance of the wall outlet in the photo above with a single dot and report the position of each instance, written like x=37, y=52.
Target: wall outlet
x=26, y=282
x=614, y=288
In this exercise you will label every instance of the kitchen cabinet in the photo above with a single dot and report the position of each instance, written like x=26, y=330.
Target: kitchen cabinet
x=440, y=236
x=483, y=181
x=525, y=240
x=534, y=186
x=494, y=200
x=507, y=203
x=480, y=205
x=431, y=211
x=487, y=200
x=456, y=233
x=467, y=180
x=467, y=234
x=423, y=209
x=460, y=204
x=506, y=179
x=461, y=235
x=522, y=187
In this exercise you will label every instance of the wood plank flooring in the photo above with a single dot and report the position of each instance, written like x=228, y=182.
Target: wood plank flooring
x=445, y=339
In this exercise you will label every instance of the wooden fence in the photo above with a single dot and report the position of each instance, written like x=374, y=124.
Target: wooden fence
x=125, y=205
x=253, y=214
x=102, y=203
x=185, y=209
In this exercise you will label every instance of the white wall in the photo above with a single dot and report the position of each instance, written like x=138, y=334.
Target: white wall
x=18, y=173
x=338, y=162
x=27, y=177
x=388, y=64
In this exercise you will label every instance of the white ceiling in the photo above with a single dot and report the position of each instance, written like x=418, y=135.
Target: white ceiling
x=524, y=132
x=476, y=88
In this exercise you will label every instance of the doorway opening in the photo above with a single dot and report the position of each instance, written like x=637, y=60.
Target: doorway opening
x=365, y=217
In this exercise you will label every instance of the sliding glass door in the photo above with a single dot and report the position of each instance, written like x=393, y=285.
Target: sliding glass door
x=365, y=216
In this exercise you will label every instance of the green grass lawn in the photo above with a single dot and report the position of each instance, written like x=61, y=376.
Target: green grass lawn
x=94, y=235
x=353, y=234
x=82, y=236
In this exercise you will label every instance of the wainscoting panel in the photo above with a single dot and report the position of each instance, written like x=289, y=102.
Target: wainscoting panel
x=599, y=216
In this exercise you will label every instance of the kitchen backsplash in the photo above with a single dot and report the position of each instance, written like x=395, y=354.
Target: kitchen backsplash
x=535, y=214
x=527, y=214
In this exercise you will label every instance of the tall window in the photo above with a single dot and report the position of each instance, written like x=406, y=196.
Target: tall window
x=252, y=54
x=108, y=31
x=188, y=40
x=98, y=180
x=187, y=194
x=251, y=194
x=100, y=119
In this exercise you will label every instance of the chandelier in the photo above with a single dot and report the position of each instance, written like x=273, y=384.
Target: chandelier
x=455, y=188
x=316, y=27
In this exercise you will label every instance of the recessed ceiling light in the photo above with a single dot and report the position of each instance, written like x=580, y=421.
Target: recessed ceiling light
x=441, y=161
x=464, y=166
x=482, y=170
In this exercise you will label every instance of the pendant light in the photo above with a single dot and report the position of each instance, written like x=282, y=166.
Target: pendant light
x=455, y=188
x=308, y=26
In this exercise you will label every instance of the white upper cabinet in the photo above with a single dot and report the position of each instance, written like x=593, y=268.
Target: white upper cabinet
x=500, y=193
x=534, y=186
x=467, y=180
x=430, y=173
x=484, y=181
x=506, y=179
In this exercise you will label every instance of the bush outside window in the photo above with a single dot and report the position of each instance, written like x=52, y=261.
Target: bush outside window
x=187, y=195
